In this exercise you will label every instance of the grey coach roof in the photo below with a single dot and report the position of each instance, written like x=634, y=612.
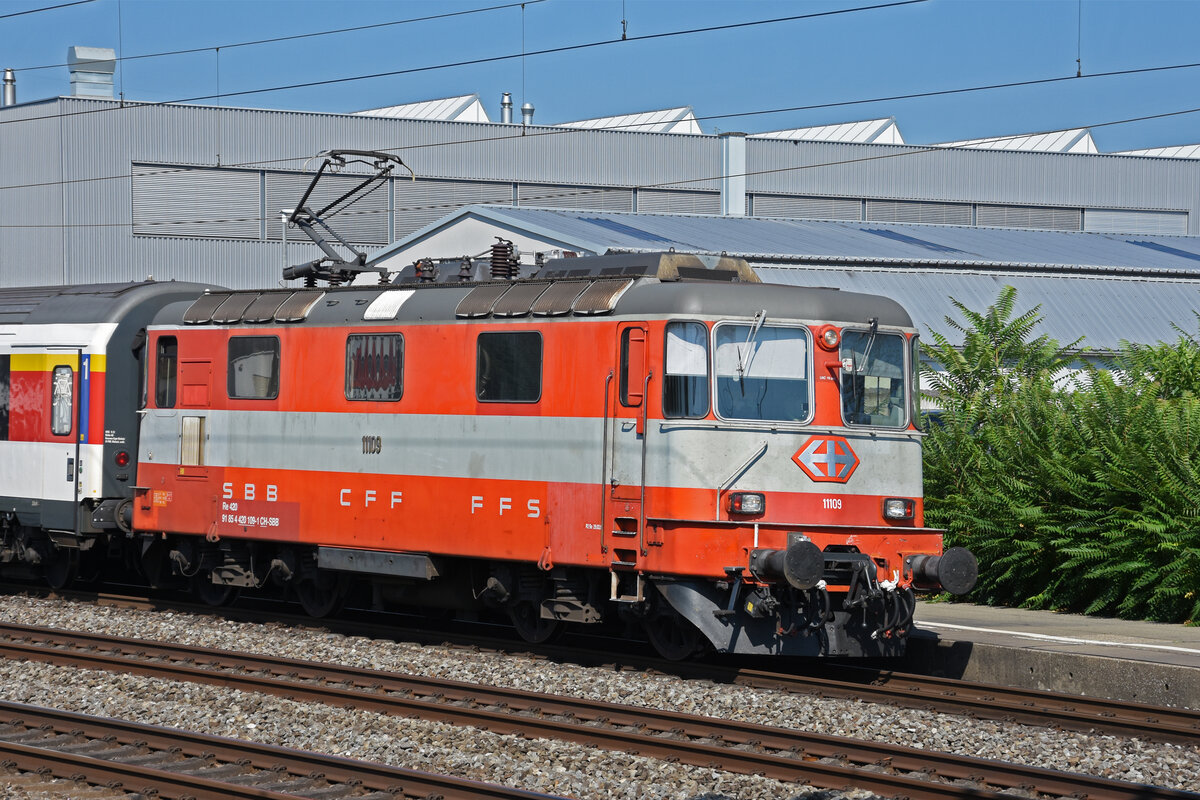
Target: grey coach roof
x=1102, y=286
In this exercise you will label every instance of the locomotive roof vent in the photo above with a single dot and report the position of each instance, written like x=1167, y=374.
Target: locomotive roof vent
x=542, y=299
x=228, y=308
x=668, y=266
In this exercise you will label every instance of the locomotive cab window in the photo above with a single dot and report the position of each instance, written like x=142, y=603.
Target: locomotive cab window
x=685, y=377
x=508, y=367
x=253, y=367
x=166, y=371
x=762, y=373
x=375, y=366
x=62, y=401
x=873, y=379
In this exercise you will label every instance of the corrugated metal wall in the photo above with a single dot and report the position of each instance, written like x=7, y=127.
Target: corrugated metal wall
x=75, y=209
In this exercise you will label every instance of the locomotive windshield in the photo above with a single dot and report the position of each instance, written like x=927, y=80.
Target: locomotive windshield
x=762, y=374
x=873, y=385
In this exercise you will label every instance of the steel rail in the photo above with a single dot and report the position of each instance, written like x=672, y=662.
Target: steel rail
x=1006, y=703
x=34, y=750
x=949, y=695
x=827, y=761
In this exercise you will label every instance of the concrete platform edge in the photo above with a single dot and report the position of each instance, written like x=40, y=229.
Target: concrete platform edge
x=1053, y=670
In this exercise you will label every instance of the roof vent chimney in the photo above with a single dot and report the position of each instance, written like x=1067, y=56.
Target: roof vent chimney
x=733, y=174
x=91, y=71
x=10, y=88
x=506, y=108
x=527, y=114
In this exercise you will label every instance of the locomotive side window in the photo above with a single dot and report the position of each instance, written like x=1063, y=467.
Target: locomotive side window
x=915, y=384
x=873, y=379
x=685, y=379
x=762, y=373
x=508, y=367
x=4, y=378
x=166, y=372
x=375, y=366
x=633, y=366
x=62, y=400
x=253, y=367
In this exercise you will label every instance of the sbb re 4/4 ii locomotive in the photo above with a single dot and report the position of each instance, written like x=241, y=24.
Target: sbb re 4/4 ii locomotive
x=656, y=439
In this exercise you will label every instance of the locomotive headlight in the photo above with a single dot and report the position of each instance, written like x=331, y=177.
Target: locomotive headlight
x=747, y=503
x=898, y=508
x=829, y=337
x=121, y=459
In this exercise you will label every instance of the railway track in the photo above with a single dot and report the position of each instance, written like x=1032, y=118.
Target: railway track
x=841, y=680
x=824, y=761
x=168, y=763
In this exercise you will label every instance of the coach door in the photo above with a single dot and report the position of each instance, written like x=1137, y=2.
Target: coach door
x=626, y=493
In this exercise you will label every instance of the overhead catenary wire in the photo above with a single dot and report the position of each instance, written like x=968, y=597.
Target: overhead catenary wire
x=45, y=8
x=290, y=37
x=475, y=61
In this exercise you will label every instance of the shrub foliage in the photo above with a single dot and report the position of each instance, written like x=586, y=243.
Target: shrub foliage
x=1078, y=488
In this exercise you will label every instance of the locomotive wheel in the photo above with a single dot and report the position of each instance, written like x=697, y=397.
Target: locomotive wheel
x=527, y=619
x=212, y=594
x=671, y=635
x=322, y=593
x=62, y=567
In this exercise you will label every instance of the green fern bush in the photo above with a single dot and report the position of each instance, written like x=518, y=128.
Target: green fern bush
x=1076, y=490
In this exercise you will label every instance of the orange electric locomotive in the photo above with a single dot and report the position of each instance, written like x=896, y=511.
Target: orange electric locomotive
x=654, y=439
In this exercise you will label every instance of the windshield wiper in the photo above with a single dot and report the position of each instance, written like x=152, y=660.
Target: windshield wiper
x=755, y=326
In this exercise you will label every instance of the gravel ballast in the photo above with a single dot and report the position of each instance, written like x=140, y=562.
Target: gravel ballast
x=534, y=764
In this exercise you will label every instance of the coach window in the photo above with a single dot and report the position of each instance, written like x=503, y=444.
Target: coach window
x=374, y=366
x=685, y=382
x=508, y=367
x=4, y=376
x=62, y=401
x=253, y=367
x=166, y=372
x=762, y=373
x=873, y=379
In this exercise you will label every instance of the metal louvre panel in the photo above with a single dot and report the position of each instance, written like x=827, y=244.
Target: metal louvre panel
x=366, y=221
x=663, y=201
x=919, y=211
x=202, y=310
x=195, y=201
x=480, y=301
x=557, y=196
x=264, y=308
x=601, y=297
x=233, y=308
x=423, y=201
x=1113, y=220
x=777, y=205
x=518, y=300
x=296, y=307
x=558, y=299
x=1055, y=219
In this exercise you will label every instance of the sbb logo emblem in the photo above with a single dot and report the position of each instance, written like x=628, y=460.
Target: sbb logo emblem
x=827, y=459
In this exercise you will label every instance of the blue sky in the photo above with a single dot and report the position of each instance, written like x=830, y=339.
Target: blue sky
x=929, y=46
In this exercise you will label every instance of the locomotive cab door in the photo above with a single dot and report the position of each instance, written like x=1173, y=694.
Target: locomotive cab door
x=625, y=520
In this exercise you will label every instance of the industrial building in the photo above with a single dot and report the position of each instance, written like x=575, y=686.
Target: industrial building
x=98, y=189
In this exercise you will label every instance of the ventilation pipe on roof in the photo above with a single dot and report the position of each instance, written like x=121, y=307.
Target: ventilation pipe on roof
x=506, y=108
x=733, y=174
x=527, y=114
x=91, y=71
x=10, y=88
